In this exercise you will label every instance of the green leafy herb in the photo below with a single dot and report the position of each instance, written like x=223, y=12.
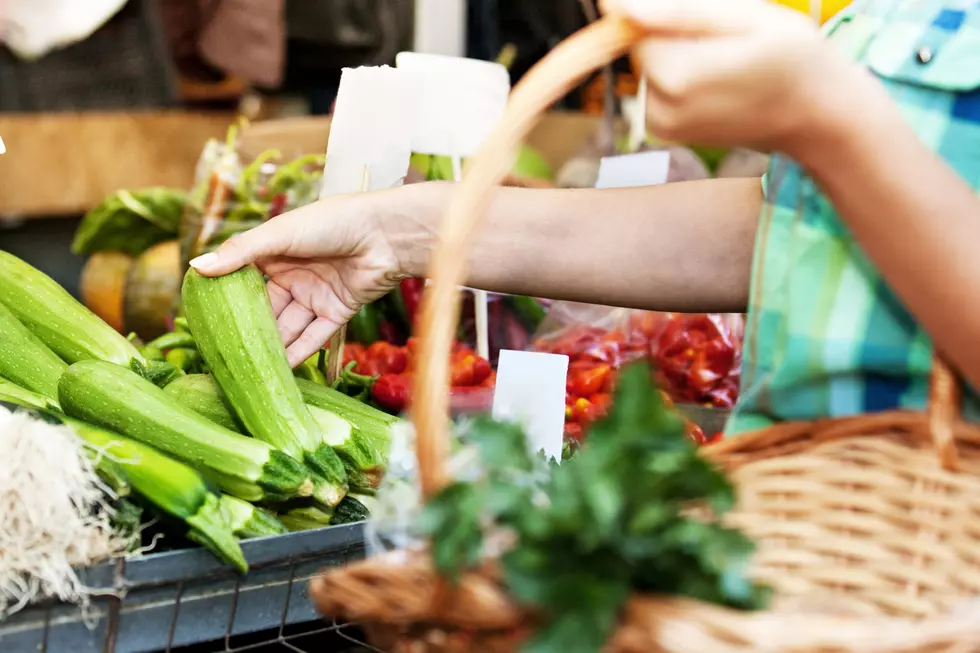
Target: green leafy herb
x=130, y=221
x=611, y=520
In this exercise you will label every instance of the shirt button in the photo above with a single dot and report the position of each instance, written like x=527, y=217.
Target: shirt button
x=924, y=55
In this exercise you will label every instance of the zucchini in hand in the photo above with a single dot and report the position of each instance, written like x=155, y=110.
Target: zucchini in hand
x=118, y=399
x=236, y=334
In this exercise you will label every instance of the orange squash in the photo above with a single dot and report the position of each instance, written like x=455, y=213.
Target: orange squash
x=134, y=294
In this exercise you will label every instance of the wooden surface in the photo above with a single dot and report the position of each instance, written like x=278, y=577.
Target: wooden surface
x=64, y=164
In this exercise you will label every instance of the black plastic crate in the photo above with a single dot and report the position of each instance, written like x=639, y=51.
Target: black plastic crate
x=124, y=65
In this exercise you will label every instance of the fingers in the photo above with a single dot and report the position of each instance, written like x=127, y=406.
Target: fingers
x=293, y=321
x=311, y=340
x=688, y=17
x=269, y=239
x=279, y=297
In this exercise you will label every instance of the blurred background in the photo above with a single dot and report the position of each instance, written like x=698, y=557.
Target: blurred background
x=102, y=95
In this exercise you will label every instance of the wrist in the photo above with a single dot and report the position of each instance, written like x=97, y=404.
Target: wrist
x=844, y=104
x=408, y=217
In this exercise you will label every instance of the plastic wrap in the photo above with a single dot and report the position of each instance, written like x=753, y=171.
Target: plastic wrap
x=232, y=195
x=697, y=357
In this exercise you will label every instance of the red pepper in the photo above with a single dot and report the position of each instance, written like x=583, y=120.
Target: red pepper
x=412, y=296
x=392, y=391
x=277, y=206
x=586, y=383
x=354, y=351
x=601, y=402
x=386, y=357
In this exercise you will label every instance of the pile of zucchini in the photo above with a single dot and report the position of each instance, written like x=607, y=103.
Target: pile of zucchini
x=245, y=450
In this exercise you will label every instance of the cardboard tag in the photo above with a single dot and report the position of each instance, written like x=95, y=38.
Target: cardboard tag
x=531, y=390
x=629, y=170
x=371, y=127
x=458, y=101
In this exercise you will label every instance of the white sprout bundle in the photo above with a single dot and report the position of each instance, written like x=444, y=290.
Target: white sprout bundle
x=53, y=513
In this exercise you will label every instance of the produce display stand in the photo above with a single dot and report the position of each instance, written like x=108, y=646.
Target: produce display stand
x=164, y=601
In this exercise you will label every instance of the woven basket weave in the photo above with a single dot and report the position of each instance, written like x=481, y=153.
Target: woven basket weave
x=868, y=527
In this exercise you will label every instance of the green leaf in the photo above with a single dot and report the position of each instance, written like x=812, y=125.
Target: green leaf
x=130, y=221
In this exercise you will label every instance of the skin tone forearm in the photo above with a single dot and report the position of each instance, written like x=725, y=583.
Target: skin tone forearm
x=916, y=219
x=681, y=247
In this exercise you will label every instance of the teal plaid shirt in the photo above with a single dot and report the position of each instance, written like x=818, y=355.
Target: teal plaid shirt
x=825, y=334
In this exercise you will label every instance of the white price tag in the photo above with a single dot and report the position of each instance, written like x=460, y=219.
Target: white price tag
x=3, y=148
x=630, y=170
x=458, y=101
x=371, y=127
x=531, y=390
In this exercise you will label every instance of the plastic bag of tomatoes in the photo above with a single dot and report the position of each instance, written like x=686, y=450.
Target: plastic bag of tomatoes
x=697, y=357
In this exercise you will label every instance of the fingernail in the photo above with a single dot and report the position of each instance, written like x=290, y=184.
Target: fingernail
x=204, y=261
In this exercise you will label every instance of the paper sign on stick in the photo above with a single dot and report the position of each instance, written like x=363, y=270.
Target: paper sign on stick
x=531, y=390
x=371, y=126
x=458, y=101
x=369, y=147
x=629, y=170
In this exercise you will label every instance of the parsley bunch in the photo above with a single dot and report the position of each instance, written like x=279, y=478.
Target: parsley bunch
x=607, y=522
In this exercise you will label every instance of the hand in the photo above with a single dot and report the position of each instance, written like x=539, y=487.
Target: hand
x=324, y=262
x=737, y=72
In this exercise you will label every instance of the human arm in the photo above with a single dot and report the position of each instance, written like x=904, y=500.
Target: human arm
x=685, y=246
x=681, y=247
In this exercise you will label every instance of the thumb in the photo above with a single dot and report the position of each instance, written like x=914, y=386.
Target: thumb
x=268, y=239
x=688, y=17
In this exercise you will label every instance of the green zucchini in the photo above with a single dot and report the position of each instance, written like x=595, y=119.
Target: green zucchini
x=57, y=319
x=161, y=373
x=201, y=393
x=236, y=333
x=15, y=394
x=306, y=518
x=171, y=486
x=27, y=361
x=349, y=510
x=363, y=461
x=115, y=398
x=373, y=425
x=247, y=521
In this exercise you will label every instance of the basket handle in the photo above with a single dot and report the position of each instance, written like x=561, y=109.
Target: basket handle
x=944, y=411
x=564, y=67
x=561, y=70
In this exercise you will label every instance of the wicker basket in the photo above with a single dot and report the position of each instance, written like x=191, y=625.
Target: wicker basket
x=868, y=537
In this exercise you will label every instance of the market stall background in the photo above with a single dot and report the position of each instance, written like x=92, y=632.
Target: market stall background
x=71, y=147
